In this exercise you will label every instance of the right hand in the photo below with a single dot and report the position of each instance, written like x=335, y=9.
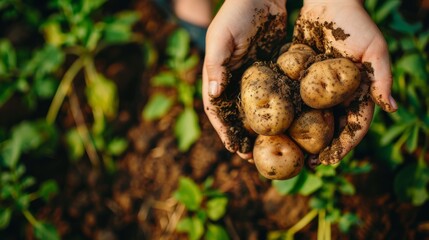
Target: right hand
x=241, y=32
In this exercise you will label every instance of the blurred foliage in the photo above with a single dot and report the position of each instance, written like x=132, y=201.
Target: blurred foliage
x=38, y=73
x=179, y=63
x=206, y=206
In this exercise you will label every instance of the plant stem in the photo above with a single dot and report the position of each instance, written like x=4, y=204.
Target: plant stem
x=83, y=130
x=62, y=90
x=322, y=225
x=301, y=224
x=30, y=218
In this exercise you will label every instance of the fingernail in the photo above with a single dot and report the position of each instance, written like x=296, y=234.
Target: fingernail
x=213, y=89
x=393, y=103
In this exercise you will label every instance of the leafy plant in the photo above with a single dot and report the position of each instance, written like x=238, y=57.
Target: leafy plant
x=325, y=186
x=403, y=135
x=206, y=207
x=179, y=63
x=73, y=34
x=15, y=186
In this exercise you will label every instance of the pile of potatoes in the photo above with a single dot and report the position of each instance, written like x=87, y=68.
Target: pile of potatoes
x=283, y=134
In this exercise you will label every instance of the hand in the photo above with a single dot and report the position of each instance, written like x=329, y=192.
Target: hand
x=241, y=32
x=343, y=28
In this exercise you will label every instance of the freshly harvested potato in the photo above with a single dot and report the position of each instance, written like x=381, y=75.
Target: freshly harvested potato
x=313, y=130
x=292, y=62
x=277, y=157
x=265, y=101
x=329, y=82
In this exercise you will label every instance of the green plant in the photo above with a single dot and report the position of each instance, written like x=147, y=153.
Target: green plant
x=205, y=205
x=324, y=186
x=403, y=137
x=74, y=30
x=180, y=61
x=73, y=33
x=16, y=187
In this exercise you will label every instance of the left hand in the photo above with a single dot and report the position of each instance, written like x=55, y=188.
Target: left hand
x=343, y=28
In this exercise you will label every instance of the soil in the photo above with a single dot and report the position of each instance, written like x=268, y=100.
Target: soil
x=135, y=201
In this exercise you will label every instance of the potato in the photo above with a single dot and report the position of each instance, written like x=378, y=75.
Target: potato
x=265, y=101
x=313, y=130
x=292, y=62
x=329, y=82
x=277, y=157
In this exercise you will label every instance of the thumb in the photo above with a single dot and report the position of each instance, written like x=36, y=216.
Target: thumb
x=377, y=56
x=219, y=49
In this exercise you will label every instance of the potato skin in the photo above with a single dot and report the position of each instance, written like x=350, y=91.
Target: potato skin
x=277, y=157
x=313, y=130
x=329, y=82
x=264, y=102
x=292, y=62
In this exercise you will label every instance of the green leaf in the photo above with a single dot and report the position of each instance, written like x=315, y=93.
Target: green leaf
x=399, y=24
x=10, y=153
x=158, y=106
x=216, y=208
x=75, y=146
x=410, y=184
x=91, y=5
x=48, y=189
x=27, y=182
x=165, y=79
x=308, y=183
x=325, y=170
x=118, y=28
x=386, y=9
x=208, y=183
x=285, y=186
x=412, y=141
x=7, y=58
x=189, y=63
x=5, y=215
x=38, y=66
x=46, y=231
x=6, y=91
x=347, y=221
x=216, y=232
x=117, y=146
x=415, y=65
x=102, y=94
x=187, y=129
x=178, y=45
x=53, y=33
x=23, y=202
x=186, y=94
x=345, y=187
x=45, y=87
x=189, y=194
x=393, y=132
x=193, y=226
x=318, y=203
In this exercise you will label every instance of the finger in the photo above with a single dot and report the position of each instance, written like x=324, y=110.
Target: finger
x=377, y=60
x=359, y=116
x=245, y=156
x=211, y=112
x=219, y=48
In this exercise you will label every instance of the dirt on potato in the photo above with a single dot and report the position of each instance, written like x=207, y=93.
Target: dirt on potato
x=228, y=106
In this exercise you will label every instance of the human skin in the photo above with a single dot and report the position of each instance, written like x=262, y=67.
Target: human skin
x=227, y=49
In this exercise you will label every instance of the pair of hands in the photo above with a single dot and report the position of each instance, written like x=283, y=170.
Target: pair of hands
x=245, y=30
